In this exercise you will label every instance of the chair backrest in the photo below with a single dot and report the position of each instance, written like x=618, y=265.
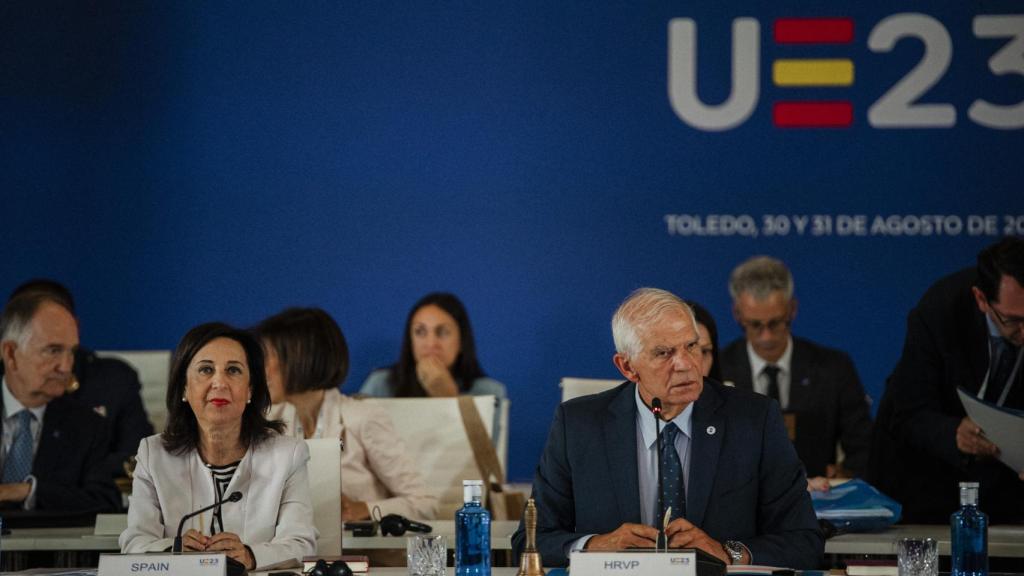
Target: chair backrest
x=153, y=367
x=325, y=493
x=501, y=428
x=574, y=387
x=436, y=440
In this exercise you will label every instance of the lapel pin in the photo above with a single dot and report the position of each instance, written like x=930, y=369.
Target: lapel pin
x=711, y=430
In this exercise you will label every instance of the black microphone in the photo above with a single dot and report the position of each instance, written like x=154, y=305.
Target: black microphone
x=396, y=525
x=656, y=409
x=176, y=548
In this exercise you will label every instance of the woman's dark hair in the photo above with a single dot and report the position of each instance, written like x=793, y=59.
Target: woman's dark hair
x=466, y=368
x=310, y=346
x=182, y=432
x=1003, y=258
x=704, y=317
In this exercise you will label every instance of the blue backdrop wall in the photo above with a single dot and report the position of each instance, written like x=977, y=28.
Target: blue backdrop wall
x=180, y=162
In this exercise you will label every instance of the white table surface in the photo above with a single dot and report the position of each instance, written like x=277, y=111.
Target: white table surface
x=84, y=538
x=501, y=537
x=1003, y=541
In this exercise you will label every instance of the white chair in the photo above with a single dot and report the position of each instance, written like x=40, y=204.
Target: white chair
x=325, y=493
x=436, y=440
x=153, y=367
x=575, y=387
x=501, y=425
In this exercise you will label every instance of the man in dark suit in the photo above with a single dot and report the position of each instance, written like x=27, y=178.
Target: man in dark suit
x=966, y=332
x=731, y=481
x=817, y=387
x=53, y=447
x=109, y=386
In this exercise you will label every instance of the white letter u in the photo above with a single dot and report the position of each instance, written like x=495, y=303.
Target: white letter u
x=682, y=75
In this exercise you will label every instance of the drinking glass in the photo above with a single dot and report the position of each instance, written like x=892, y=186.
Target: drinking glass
x=427, y=555
x=917, y=557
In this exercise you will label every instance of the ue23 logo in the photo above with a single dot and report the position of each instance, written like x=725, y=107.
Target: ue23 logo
x=897, y=108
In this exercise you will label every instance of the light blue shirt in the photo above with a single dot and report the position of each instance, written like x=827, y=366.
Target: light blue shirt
x=647, y=457
x=10, y=421
x=647, y=462
x=377, y=384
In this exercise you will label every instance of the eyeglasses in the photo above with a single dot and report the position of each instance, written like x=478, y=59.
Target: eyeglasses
x=774, y=325
x=1009, y=323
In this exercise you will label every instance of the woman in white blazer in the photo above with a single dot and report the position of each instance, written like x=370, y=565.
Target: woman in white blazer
x=217, y=442
x=307, y=359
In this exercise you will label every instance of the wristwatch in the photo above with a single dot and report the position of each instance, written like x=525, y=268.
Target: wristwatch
x=735, y=550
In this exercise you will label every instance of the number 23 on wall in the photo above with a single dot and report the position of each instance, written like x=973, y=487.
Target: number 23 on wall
x=897, y=108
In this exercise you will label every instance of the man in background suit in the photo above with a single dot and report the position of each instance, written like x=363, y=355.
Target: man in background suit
x=109, y=386
x=743, y=499
x=818, y=386
x=53, y=448
x=966, y=332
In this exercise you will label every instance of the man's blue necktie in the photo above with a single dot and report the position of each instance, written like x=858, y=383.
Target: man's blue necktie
x=19, y=459
x=673, y=491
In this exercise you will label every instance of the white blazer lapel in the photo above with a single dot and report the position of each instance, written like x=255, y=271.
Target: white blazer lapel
x=234, y=514
x=200, y=494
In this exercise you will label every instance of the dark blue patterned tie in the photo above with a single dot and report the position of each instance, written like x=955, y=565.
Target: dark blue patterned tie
x=673, y=491
x=19, y=459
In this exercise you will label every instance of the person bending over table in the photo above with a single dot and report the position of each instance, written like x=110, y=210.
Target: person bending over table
x=217, y=441
x=307, y=360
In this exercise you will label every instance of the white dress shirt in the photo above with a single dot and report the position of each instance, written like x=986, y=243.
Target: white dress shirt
x=760, y=379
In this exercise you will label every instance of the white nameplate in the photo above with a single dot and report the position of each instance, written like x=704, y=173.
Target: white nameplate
x=640, y=563
x=162, y=564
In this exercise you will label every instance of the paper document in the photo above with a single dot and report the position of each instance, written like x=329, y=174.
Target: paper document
x=1003, y=426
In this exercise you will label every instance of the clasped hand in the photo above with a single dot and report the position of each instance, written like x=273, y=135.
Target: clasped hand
x=680, y=534
x=227, y=542
x=436, y=379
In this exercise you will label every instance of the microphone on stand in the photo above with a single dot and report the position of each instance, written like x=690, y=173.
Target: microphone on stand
x=176, y=548
x=656, y=409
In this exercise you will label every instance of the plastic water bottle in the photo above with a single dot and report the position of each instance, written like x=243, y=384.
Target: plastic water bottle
x=969, y=534
x=472, y=533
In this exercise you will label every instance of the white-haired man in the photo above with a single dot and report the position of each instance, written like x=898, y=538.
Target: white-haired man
x=53, y=448
x=729, y=474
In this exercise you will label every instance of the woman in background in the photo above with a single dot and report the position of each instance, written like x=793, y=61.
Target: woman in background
x=217, y=441
x=307, y=360
x=707, y=332
x=438, y=356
